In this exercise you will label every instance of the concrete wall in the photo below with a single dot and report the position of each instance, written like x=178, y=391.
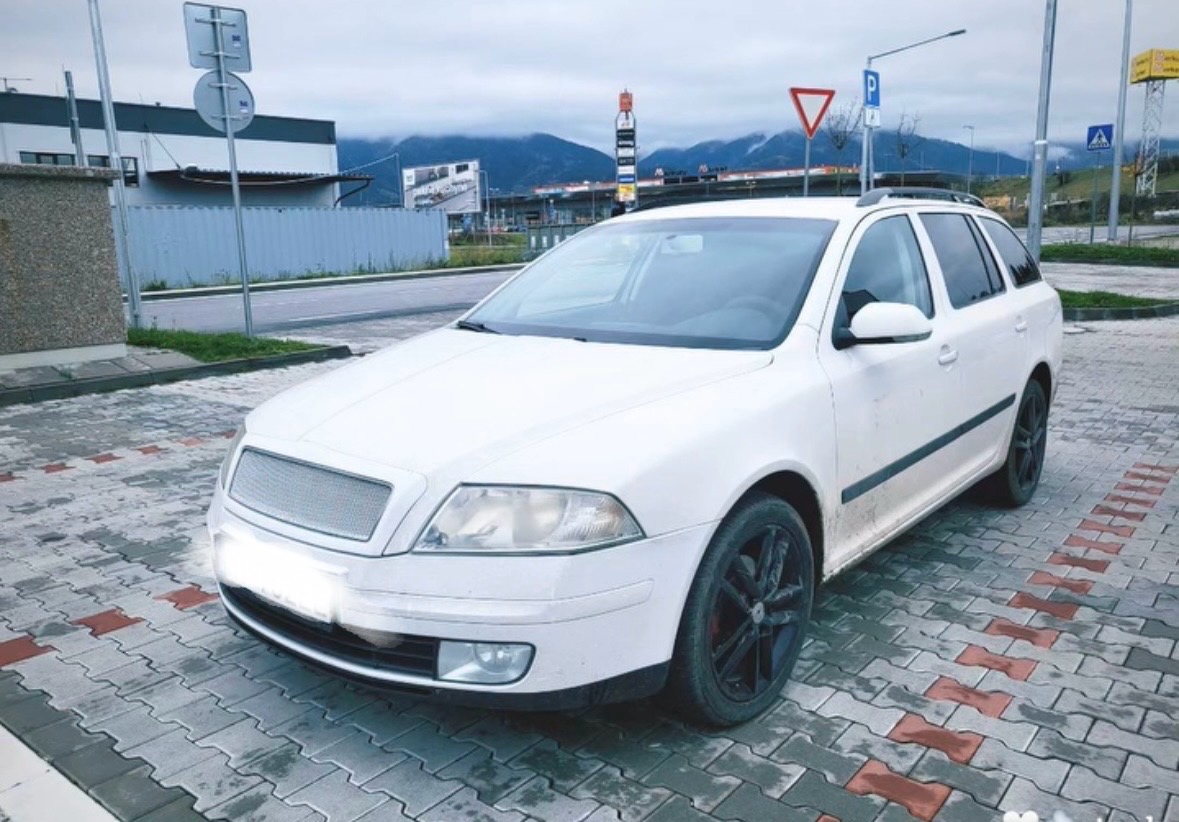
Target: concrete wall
x=182, y=246
x=60, y=299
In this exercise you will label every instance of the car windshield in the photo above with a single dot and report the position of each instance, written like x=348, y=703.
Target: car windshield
x=694, y=282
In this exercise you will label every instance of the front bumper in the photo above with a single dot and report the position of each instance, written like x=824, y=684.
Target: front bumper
x=603, y=623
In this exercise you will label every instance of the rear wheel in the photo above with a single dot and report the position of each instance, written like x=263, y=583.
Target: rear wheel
x=1016, y=481
x=746, y=614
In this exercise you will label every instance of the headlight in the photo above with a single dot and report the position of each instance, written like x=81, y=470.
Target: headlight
x=228, y=461
x=505, y=519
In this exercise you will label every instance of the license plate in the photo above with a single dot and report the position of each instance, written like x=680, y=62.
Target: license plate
x=280, y=576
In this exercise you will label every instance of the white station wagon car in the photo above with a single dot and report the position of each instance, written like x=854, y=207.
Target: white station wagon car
x=628, y=468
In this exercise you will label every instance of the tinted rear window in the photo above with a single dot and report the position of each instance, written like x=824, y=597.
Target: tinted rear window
x=1019, y=262
x=969, y=272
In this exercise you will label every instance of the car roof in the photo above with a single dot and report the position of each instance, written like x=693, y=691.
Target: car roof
x=823, y=208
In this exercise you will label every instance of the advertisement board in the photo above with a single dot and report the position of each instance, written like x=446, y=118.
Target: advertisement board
x=452, y=187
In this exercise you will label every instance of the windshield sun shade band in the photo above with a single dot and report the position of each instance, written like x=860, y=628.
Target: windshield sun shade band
x=858, y=489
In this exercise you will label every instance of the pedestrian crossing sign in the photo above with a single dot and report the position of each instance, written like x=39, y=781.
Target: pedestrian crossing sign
x=1100, y=138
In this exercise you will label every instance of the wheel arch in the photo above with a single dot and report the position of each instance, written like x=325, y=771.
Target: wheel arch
x=1042, y=374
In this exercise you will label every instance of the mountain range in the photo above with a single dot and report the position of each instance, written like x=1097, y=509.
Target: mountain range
x=518, y=164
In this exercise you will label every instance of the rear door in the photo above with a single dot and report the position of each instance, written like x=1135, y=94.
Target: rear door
x=984, y=339
x=893, y=401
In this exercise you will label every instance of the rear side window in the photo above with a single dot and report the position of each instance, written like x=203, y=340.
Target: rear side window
x=969, y=271
x=1019, y=262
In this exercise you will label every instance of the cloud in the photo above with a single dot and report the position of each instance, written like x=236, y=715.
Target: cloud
x=699, y=70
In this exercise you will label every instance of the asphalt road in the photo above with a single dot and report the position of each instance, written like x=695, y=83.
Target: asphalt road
x=303, y=308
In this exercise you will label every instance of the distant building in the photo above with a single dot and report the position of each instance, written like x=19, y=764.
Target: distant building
x=172, y=157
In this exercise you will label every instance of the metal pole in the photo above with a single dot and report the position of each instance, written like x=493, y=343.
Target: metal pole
x=400, y=182
x=1093, y=203
x=970, y=161
x=806, y=169
x=75, y=128
x=1040, y=157
x=865, y=138
x=1115, y=186
x=127, y=273
x=223, y=81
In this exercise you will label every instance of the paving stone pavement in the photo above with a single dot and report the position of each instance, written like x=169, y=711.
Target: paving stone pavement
x=987, y=661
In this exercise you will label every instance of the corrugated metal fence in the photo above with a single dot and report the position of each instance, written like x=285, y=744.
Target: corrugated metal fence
x=191, y=245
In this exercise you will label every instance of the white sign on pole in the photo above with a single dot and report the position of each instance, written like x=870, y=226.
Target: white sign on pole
x=872, y=117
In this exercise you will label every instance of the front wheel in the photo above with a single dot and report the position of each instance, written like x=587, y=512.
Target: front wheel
x=1016, y=481
x=746, y=614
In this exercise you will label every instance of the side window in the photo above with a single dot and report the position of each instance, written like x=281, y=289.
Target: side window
x=969, y=271
x=886, y=267
x=1019, y=262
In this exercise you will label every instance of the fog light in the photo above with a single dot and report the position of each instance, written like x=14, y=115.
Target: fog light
x=488, y=663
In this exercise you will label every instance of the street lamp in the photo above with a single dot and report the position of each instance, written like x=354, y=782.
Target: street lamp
x=486, y=204
x=970, y=162
x=1040, y=146
x=866, y=145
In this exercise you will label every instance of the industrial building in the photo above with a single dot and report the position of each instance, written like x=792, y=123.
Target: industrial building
x=172, y=157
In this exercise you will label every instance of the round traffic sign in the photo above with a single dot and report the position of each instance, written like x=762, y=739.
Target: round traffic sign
x=208, y=101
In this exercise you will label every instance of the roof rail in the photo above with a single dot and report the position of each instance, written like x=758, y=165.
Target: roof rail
x=919, y=193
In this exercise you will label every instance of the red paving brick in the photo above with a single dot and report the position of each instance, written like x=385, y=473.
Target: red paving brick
x=7, y=477
x=1162, y=479
x=991, y=703
x=56, y=467
x=1166, y=469
x=1060, y=610
x=957, y=745
x=99, y=459
x=149, y=449
x=190, y=441
x=1095, y=565
x=827, y=818
x=20, y=649
x=1074, y=541
x=1106, y=511
x=923, y=799
x=1015, y=668
x=1077, y=586
x=1042, y=637
x=1102, y=528
x=1145, y=503
x=1153, y=490
x=189, y=597
x=105, y=622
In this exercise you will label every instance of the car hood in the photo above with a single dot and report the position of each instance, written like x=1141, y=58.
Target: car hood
x=460, y=399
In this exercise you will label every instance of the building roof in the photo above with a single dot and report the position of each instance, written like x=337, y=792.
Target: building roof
x=246, y=177
x=46, y=110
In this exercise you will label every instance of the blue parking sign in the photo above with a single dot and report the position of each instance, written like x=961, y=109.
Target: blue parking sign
x=871, y=88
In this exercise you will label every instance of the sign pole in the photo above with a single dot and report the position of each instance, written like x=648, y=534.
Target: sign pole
x=223, y=82
x=1093, y=203
x=806, y=169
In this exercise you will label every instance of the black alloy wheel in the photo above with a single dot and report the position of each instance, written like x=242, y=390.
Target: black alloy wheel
x=1015, y=483
x=746, y=614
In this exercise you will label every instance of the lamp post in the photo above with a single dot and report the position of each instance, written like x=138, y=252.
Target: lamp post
x=486, y=204
x=866, y=144
x=1040, y=146
x=1115, y=184
x=970, y=161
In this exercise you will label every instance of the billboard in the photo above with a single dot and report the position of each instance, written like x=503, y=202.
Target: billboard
x=452, y=187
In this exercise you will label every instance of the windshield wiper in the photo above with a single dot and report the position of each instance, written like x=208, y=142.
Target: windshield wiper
x=474, y=325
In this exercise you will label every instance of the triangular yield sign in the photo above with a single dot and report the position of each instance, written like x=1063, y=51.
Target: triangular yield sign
x=811, y=104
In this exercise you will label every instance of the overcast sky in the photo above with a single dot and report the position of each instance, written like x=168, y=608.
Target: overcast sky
x=699, y=70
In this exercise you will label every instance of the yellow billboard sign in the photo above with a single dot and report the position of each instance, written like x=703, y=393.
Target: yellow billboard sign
x=1155, y=64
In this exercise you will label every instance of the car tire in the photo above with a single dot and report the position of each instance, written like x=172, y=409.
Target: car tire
x=1015, y=483
x=746, y=614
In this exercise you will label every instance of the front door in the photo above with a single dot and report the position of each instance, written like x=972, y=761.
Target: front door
x=893, y=402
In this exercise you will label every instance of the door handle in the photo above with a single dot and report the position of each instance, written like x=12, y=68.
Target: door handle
x=1021, y=325
x=947, y=356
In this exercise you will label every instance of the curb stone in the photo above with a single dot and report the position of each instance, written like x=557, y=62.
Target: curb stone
x=98, y=385
x=1148, y=312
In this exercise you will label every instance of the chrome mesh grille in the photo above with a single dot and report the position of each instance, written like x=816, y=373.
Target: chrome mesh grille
x=308, y=496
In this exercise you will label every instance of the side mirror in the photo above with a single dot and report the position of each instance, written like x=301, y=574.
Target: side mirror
x=884, y=323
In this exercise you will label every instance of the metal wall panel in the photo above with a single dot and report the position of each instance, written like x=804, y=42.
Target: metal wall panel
x=187, y=245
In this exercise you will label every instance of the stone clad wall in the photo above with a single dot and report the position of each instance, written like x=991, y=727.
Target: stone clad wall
x=60, y=299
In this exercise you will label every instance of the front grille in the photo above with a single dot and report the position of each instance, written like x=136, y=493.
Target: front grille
x=311, y=497
x=406, y=655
